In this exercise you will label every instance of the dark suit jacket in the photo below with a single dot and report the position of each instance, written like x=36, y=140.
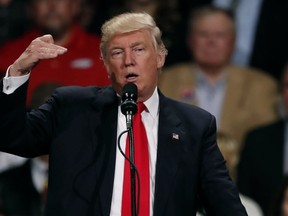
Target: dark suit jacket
x=18, y=196
x=260, y=170
x=77, y=127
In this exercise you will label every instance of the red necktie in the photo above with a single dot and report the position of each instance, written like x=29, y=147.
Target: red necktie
x=142, y=164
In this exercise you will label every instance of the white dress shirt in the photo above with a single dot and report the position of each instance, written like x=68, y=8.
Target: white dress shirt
x=7, y=161
x=150, y=120
x=39, y=174
x=210, y=96
x=10, y=84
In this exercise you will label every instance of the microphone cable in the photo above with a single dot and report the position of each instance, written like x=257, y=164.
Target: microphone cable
x=134, y=167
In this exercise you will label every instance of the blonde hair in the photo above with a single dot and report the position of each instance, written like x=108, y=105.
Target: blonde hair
x=129, y=22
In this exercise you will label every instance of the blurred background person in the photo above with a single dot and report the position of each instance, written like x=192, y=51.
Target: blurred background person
x=13, y=19
x=80, y=66
x=264, y=159
x=167, y=16
x=261, y=33
x=240, y=98
x=23, y=188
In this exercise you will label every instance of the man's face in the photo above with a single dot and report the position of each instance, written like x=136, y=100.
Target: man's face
x=53, y=16
x=212, y=40
x=132, y=58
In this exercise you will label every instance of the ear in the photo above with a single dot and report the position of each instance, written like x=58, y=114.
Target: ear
x=160, y=60
x=107, y=68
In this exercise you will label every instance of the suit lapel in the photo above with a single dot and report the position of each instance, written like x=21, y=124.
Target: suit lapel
x=109, y=140
x=107, y=137
x=95, y=182
x=169, y=141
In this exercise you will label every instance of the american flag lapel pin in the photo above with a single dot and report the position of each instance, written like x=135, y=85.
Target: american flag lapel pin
x=175, y=136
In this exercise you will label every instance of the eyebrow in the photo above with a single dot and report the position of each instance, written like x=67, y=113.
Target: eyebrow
x=136, y=44
x=131, y=45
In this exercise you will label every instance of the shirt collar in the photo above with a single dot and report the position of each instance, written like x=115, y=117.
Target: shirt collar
x=152, y=104
x=202, y=79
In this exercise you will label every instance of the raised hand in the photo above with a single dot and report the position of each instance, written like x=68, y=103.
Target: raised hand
x=40, y=48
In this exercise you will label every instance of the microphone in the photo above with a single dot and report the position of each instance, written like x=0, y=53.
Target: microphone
x=129, y=99
x=129, y=108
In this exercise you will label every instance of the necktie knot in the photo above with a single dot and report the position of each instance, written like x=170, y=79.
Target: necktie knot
x=141, y=107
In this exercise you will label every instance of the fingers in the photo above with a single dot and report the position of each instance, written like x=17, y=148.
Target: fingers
x=44, y=48
x=39, y=49
x=47, y=51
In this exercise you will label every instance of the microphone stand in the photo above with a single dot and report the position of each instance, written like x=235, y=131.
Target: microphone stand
x=132, y=160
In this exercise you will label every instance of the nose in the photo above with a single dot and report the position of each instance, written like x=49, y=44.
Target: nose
x=210, y=37
x=128, y=59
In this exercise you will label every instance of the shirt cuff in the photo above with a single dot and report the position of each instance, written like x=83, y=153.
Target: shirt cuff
x=10, y=84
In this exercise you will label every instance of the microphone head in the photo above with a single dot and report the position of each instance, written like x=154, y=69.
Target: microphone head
x=130, y=91
x=129, y=99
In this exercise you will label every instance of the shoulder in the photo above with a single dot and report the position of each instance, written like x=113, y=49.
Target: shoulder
x=178, y=67
x=79, y=93
x=188, y=113
x=264, y=137
x=189, y=108
x=265, y=131
x=176, y=75
x=73, y=99
x=253, y=75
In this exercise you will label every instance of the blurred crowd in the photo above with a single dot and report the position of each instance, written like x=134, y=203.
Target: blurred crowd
x=229, y=57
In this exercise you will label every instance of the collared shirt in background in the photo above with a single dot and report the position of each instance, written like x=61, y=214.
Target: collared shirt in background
x=209, y=96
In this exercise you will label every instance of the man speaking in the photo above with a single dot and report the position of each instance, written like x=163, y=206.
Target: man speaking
x=175, y=154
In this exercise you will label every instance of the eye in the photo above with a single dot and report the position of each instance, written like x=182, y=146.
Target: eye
x=138, y=50
x=117, y=53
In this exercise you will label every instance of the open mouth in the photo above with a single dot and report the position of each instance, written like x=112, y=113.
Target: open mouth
x=131, y=76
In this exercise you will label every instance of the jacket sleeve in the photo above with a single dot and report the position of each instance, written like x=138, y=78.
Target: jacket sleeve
x=218, y=193
x=23, y=133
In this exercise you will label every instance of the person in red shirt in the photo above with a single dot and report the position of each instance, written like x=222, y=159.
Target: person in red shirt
x=82, y=65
